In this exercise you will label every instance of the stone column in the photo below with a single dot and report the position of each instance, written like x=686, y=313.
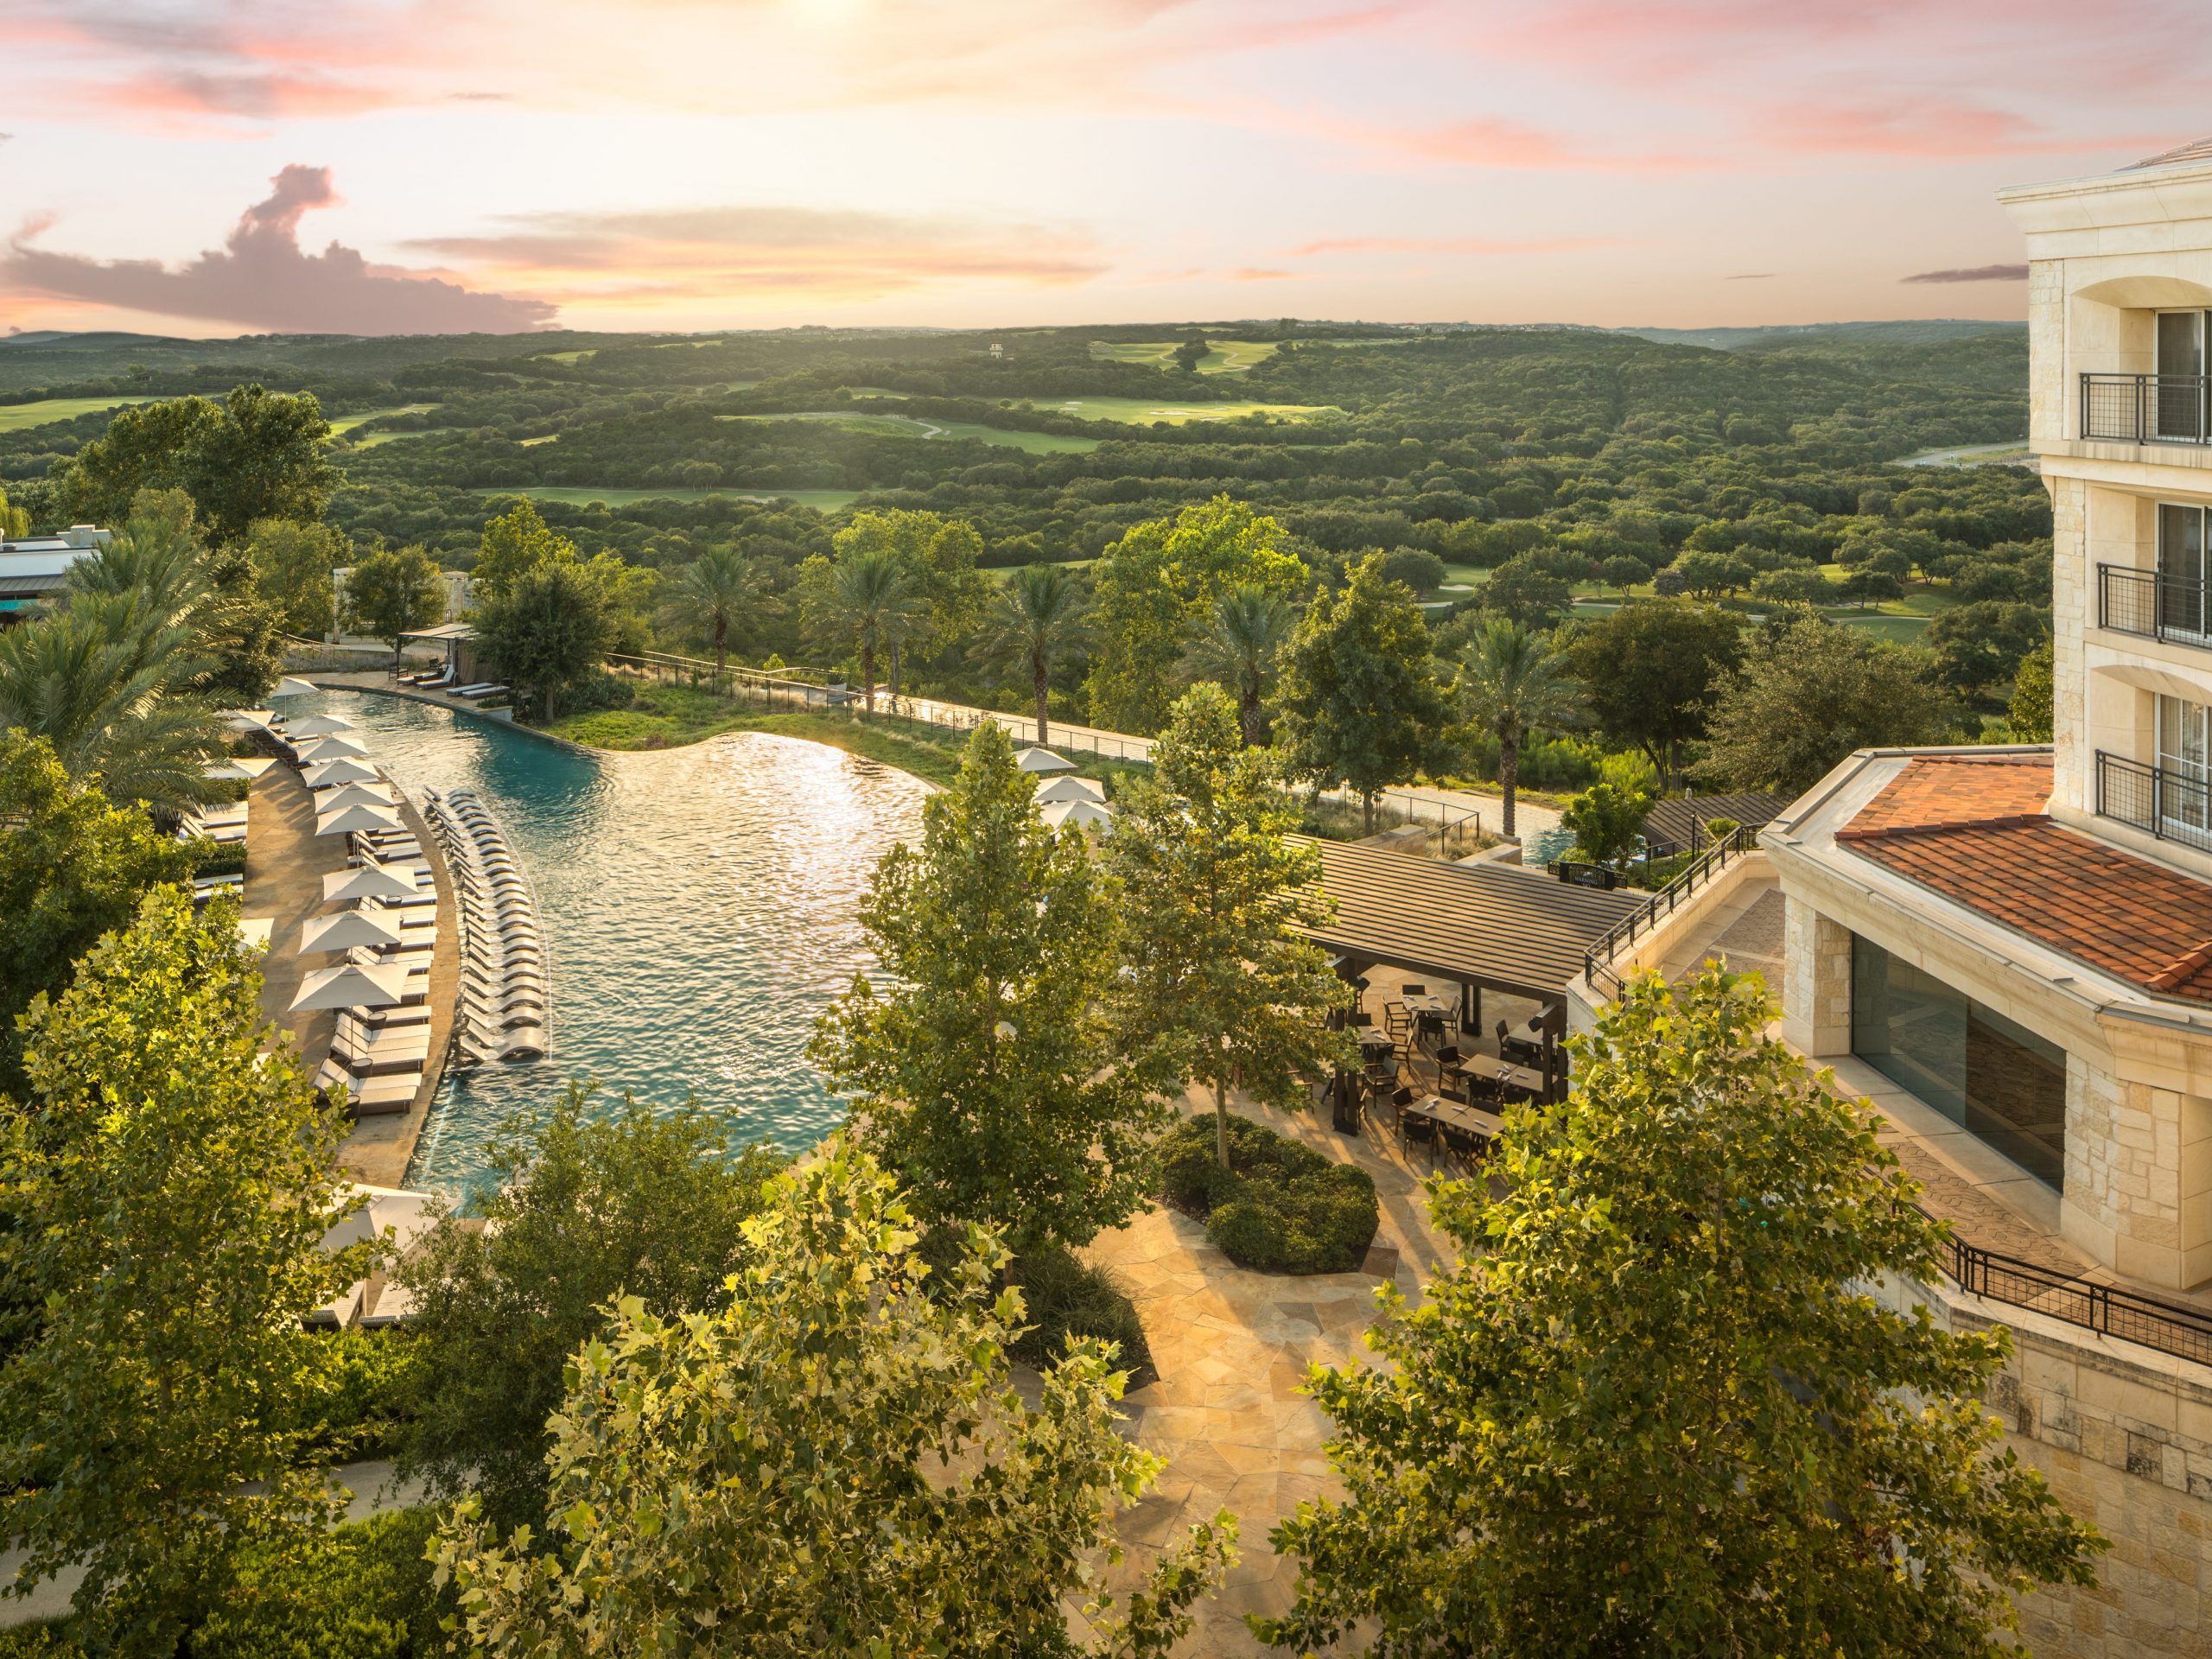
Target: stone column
x=1816, y=990
x=2071, y=611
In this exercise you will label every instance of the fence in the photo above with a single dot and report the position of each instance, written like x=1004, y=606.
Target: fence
x=2146, y=408
x=2169, y=1327
x=1597, y=960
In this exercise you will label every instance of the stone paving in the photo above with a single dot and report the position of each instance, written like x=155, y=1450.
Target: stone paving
x=1232, y=1348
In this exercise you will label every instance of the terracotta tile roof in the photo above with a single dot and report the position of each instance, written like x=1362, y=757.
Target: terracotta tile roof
x=2197, y=149
x=1973, y=831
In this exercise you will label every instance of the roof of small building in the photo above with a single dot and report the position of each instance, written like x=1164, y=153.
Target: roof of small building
x=1975, y=830
x=2197, y=149
x=1680, y=820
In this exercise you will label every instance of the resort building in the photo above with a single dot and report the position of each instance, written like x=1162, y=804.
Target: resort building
x=2009, y=950
x=33, y=567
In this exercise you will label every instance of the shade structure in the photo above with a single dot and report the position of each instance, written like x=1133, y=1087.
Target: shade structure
x=245, y=719
x=347, y=819
x=316, y=725
x=238, y=768
x=370, y=881
x=357, y=794
x=1042, y=760
x=343, y=931
x=292, y=686
x=343, y=770
x=255, y=930
x=1071, y=789
x=352, y=985
x=1084, y=815
x=329, y=748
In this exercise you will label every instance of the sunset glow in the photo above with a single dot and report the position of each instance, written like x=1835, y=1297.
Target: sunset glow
x=200, y=167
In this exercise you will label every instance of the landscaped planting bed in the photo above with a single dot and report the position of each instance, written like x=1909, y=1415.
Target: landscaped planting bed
x=1280, y=1207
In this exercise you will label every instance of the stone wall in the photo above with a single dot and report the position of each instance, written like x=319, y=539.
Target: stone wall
x=2048, y=407
x=1816, y=983
x=2071, y=614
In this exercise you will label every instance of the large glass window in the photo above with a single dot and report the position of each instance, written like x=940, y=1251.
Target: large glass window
x=2179, y=408
x=1997, y=1080
x=2182, y=607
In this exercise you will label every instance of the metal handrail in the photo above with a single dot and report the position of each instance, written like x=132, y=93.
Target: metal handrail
x=2168, y=1327
x=2146, y=408
x=2152, y=605
x=2171, y=805
x=1598, y=959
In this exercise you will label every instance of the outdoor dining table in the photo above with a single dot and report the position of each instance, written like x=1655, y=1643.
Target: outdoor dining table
x=1449, y=1115
x=1374, y=1040
x=1420, y=1002
x=1518, y=1079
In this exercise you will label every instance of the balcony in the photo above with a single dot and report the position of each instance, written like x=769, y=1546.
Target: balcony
x=2146, y=408
x=2152, y=605
x=2171, y=805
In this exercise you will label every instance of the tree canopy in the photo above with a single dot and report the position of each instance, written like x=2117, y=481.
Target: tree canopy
x=1808, y=695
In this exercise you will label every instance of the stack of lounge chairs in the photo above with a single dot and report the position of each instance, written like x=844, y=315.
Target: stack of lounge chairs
x=503, y=963
x=225, y=825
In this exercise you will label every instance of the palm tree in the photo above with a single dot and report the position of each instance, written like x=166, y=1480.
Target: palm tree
x=1236, y=647
x=717, y=592
x=1035, y=617
x=108, y=706
x=1513, y=682
x=878, y=604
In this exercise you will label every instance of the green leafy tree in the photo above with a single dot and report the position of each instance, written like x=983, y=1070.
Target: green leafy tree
x=1219, y=979
x=169, y=1177
x=1795, y=588
x=256, y=454
x=1192, y=353
x=2034, y=691
x=294, y=562
x=1359, y=705
x=1865, y=587
x=1158, y=580
x=1708, y=575
x=72, y=866
x=1654, y=1407
x=1032, y=621
x=513, y=545
x=548, y=634
x=1650, y=670
x=1527, y=591
x=15, y=520
x=581, y=1206
x=1512, y=683
x=1623, y=571
x=721, y=594
x=1239, y=646
x=946, y=594
x=391, y=591
x=832, y=1463
x=984, y=1074
x=1979, y=647
x=873, y=602
x=1806, y=697
x=1607, y=821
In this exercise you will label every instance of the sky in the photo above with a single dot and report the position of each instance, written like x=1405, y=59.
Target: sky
x=218, y=167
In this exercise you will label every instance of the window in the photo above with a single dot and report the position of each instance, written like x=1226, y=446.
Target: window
x=2186, y=760
x=2181, y=571
x=2179, y=410
x=1999, y=1081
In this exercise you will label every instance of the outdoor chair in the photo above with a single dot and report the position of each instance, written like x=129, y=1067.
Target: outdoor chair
x=1418, y=1132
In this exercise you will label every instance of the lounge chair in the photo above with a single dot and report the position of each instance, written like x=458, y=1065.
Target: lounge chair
x=384, y=1097
x=477, y=693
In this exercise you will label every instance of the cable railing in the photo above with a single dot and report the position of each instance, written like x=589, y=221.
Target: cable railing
x=1598, y=961
x=2146, y=408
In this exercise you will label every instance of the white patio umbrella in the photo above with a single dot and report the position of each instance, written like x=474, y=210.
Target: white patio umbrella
x=316, y=725
x=343, y=931
x=347, y=819
x=292, y=686
x=1071, y=789
x=352, y=985
x=245, y=719
x=1042, y=760
x=344, y=770
x=329, y=748
x=238, y=768
x=370, y=881
x=1086, y=815
x=356, y=795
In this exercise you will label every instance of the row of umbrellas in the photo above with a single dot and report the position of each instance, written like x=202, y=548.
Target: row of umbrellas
x=1064, y=801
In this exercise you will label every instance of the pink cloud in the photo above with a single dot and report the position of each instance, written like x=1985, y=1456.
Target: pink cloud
x=260, y=279
x=1451, y=244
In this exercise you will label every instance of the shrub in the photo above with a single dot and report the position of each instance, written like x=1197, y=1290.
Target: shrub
x=372, y=1381
x=598, y=690
x=364, y=1592
x=1280, y=1207
x=1064, y=1297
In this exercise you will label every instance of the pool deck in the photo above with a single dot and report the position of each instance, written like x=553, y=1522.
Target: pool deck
x=286, y=861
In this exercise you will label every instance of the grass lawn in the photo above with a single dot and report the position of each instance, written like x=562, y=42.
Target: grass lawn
x=14, y=418
x=1224, y=357
x=577, y=495
x=346, y=424
x=1036, y=443
x=1898, y=630
x=569, y=357
x=1135, y=411
x=669, y=716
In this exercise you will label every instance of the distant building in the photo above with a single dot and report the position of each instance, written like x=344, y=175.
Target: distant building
x=33, y=567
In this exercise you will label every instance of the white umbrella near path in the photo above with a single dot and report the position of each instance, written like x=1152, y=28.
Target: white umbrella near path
x=352, y=985
x=343, y=931
x=317, y=726
x=238, y=768
x=1071, y=789
x=347, y=820
x=245, y=719
x=1084, y=815
x=292, y=686
x=356, y=795
x=331, y=749
x=1042, y=760
x=343, y=770
x=370, y=881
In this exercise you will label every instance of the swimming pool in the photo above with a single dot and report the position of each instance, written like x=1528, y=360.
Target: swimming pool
x=699, y=906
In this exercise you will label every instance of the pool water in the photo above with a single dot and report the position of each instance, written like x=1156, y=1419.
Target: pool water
x=699, y=906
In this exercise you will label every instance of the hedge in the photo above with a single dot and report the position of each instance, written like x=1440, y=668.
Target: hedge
x=1280, y=1207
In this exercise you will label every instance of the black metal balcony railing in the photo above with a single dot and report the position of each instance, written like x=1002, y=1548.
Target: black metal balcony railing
x=2146, y=408
x=2169, y=1327
x=2153, y=606
x=2171, y=805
